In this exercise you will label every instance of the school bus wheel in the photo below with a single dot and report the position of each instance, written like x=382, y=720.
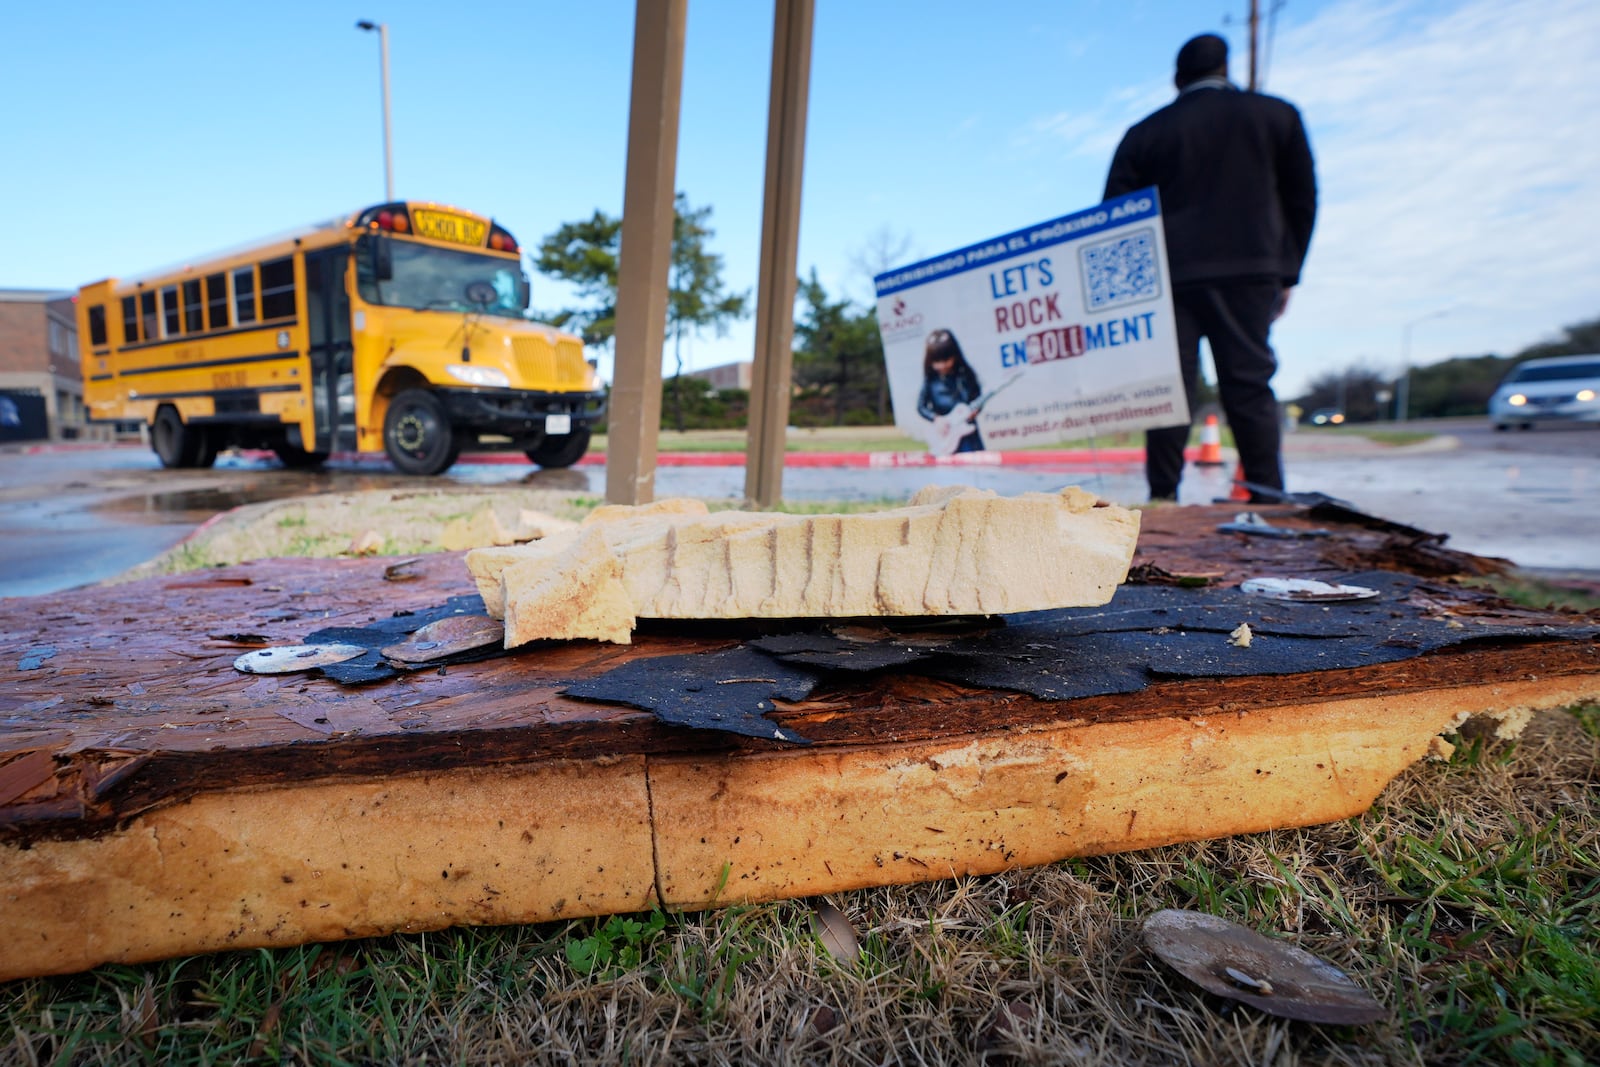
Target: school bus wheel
x=562, y=451
x=417, y=434
x=177, y=444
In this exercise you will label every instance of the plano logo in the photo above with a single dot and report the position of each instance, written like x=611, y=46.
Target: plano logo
x=898, y=320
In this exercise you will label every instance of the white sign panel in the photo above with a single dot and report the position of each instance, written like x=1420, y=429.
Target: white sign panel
x=1056, y=332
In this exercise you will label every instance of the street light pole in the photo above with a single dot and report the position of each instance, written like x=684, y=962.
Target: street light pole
x=388, y=151
x=1255, y=22
x=1402, y=394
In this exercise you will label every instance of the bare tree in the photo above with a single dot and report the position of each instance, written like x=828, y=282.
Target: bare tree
x=883, y=248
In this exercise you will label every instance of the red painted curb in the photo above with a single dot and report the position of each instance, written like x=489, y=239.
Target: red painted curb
x=873, y=460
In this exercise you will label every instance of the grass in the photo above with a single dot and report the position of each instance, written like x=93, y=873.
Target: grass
x=1374, y=433
x=823, y=439
x=1531, y=590
x=1466, y=900
x=891, y=439
x=1393, y=437
x=848, y=439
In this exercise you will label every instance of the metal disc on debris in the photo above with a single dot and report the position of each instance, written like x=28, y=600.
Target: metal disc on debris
x=1234, y=961
x=448, y=637
x=286, y=659
x=1304, y=590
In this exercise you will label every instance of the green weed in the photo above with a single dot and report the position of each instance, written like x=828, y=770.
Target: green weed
x=614, y=945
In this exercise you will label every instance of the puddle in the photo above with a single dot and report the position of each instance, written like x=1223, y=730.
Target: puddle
x=194, y=505
x=190, y=505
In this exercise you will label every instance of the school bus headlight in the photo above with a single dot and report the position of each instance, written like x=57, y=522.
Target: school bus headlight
x=488, y=377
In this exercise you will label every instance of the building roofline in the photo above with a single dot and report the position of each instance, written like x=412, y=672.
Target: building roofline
x=35, y=296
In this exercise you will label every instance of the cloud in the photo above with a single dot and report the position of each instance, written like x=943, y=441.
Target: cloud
x=1092, y=133
x=1458, y=166
x=1459, y=170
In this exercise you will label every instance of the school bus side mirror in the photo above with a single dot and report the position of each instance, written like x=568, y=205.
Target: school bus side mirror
x=382, y=258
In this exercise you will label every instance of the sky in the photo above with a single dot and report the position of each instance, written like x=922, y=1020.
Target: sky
x=1457, y=141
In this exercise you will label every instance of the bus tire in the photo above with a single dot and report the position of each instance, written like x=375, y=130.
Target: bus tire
x=417, y=435
x=298, y=459
x=175, y=444
x=561, y=451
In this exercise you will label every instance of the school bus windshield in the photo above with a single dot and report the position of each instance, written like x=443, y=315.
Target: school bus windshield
x=438, y=279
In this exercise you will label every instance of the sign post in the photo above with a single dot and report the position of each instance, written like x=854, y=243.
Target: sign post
x=1055, y=332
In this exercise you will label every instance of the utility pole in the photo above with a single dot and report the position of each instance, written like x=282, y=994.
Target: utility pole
x=1255, y=26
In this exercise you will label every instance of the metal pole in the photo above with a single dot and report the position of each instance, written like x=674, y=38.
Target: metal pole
x=388, y=149
x=643, y=273
x=1402, y=393
x=780, y=229
x=383, y=61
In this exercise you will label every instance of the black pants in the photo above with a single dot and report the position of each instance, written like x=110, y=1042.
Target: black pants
x=1235, y=316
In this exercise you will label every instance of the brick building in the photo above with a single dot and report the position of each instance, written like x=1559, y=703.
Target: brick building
x=39, y=362
x=726, y=376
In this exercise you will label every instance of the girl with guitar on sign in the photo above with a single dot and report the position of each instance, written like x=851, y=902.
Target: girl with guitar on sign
x=950, y=390
x=951, y=397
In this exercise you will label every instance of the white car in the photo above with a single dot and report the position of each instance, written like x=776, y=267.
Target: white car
x=1558, y=389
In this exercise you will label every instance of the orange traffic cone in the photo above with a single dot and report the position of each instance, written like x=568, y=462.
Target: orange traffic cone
x=1210, y=444
x=1239, y=492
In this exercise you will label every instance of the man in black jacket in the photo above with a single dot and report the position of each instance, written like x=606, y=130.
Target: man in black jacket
x=1238, y=196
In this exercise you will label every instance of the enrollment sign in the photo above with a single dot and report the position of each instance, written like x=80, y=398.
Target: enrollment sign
x=1056, y=332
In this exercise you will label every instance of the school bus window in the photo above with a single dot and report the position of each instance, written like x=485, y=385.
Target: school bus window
x=277, y=289
x=148, y=329
x=244, y=294
x=193, y=309
x=169, y=310
x=130, y=320
x=217, y=301
x=401, y=274
x=97, y=325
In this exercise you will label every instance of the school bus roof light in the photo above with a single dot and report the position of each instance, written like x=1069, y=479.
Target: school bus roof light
x=500, y=240
x=396, y=221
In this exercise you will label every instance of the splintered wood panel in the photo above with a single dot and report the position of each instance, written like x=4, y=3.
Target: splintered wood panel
x=155, y=801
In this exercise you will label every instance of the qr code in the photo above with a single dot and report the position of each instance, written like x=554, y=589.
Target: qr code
x=1121, y=271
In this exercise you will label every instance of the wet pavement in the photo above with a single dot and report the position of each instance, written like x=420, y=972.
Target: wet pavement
x=73, y=516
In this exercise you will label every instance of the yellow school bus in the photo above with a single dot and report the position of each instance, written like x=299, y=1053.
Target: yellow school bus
x=400, y=328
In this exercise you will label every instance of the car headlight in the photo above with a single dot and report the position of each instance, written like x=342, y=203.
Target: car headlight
x=488, y=377
x=1586, y=395
x=1516, y=400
